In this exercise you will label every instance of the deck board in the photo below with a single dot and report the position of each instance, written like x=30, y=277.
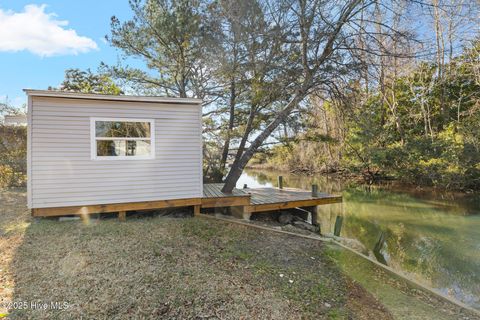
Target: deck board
x=250, y=200
x=265, y=199
x=214, y=190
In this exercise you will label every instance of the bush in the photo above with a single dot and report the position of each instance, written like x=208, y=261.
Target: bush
x=13, y=154
x=11, y=179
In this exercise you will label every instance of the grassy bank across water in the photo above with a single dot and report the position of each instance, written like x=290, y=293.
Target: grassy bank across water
x=174, y=268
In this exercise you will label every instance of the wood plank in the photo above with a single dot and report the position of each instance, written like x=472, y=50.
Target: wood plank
x=214, y=190
x=217, y=188
x=253, y=200
x=206, y=190
x=196, y=210
x=225, y=202
x=293, y=204
x=274, y=195
x=122, y=216
x=102, y=208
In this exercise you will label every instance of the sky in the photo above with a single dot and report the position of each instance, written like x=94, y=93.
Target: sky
x=40, y=39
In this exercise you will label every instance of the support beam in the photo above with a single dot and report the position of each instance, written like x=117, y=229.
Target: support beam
x=247, y=214
x=314, y=213
x=122, y=216
x=115, y=207
x=196, y=210
x=293, y=204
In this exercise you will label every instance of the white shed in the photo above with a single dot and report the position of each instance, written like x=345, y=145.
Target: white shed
x=103, y=153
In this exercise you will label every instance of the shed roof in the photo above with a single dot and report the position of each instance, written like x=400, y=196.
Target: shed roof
x=95, y=96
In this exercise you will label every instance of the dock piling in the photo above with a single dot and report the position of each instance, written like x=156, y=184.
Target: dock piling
x=280, y=182
x=338, y=226
x=314, y=190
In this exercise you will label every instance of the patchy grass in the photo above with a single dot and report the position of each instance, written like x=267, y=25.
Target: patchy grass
x=169, y=268
x=166, y=268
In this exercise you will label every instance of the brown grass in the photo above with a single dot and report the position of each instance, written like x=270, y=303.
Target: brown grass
x=167, y=268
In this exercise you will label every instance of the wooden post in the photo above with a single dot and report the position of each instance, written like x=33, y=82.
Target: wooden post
x=280, y=182
x=85, y=218
x=313, y=211
x=196, y=210
x=338, y=226
x=314, y=190
x=122, y=216
x=246, y=213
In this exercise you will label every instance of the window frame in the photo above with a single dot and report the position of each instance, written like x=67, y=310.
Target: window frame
x=94, y=139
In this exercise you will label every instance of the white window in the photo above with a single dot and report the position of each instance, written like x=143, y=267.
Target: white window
x=122, y=138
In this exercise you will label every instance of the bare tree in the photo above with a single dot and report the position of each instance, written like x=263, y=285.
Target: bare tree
x=319, y=35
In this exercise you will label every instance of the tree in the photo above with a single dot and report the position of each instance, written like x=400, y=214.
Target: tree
x=313, y=48
x=178, y=41
x=88, y=82
x=171, y=37
x=253, y=62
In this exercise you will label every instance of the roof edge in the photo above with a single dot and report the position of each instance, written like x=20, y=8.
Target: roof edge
x=96, y=96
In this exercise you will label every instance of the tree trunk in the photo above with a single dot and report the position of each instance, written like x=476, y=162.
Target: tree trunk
x=226, y=146
x=238, y=166
x=439, y=37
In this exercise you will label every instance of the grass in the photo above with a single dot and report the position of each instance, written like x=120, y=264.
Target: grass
x=161, y=267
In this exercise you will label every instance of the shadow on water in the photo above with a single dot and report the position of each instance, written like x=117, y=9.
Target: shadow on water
x=432, y=237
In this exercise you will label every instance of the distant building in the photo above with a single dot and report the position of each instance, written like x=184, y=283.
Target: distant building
x=15, y=120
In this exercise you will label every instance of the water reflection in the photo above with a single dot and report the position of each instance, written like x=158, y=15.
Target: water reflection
x=434, y=237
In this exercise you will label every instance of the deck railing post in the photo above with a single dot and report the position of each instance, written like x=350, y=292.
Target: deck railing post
x=280, y=182
x=314, y=190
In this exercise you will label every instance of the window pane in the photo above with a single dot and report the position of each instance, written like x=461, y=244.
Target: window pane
x=120, y=129
x=112, y=148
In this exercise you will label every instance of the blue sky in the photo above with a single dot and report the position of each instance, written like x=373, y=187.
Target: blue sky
x=29, y=62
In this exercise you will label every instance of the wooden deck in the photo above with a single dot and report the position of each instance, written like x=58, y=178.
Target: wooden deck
x=253, y=200
x=268, y=199
x=243, y=202
x=214, y=197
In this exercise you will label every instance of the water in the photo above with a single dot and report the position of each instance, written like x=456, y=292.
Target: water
x=433, y=237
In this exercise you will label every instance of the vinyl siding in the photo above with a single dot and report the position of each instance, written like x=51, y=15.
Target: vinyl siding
x=62, y=172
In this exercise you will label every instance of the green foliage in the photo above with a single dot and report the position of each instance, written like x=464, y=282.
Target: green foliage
x=440, y=146
x=13, y=153
x=88, y=82
x=170, y=37
x=425, y=130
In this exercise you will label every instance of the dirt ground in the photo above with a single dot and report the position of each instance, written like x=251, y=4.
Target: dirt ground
x=159, y=267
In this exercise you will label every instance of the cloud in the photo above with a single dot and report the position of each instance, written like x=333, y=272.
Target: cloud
x=40, y=33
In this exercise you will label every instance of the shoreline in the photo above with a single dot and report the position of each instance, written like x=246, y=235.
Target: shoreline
x=392, y=183
x=392, y=272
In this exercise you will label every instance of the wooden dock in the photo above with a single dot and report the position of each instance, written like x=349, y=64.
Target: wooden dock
x=242, y=202
x=253, y=200
x=214, y=197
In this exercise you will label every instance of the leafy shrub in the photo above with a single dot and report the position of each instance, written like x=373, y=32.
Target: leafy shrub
x=13, y=153
x=11, y=179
